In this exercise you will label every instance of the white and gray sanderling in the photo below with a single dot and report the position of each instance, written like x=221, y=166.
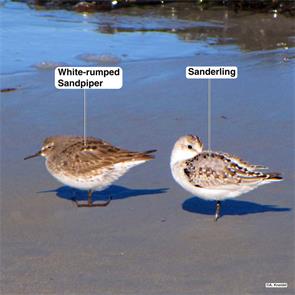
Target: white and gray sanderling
x=214, y=175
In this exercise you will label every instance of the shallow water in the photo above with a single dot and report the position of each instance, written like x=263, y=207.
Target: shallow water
x=32, y=37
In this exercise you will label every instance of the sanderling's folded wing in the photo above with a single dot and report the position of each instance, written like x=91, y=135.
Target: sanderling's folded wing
x=214, y=170
x=244, y=163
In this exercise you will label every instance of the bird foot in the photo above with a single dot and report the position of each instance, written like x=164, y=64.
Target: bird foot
x=218, y=210
x=217, y=216
x=90, y=204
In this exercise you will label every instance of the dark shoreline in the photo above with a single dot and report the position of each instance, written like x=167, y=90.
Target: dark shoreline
x=286, y=7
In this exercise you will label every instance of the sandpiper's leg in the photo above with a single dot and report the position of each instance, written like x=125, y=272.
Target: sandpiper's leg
x=89, y=202
x=102, y=204
x=90, y=198
x=218, y=209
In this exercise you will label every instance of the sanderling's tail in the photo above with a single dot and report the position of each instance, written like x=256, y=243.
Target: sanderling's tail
x=274, y=176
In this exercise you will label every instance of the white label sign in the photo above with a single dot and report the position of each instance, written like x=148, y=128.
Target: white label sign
x=207, y=72
x=88, y=77
x=276, y=285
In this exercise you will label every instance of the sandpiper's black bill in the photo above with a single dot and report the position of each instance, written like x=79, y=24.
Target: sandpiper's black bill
x=33, y=156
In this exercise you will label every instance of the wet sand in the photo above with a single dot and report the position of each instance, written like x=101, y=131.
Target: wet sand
x=154, y=238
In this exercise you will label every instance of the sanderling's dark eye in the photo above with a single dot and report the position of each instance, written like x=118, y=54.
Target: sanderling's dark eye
x=189, y=146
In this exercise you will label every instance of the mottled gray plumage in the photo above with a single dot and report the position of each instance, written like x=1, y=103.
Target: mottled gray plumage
x=211, y=169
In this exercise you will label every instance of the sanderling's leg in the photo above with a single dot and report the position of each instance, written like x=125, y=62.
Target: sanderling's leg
x=218, y=210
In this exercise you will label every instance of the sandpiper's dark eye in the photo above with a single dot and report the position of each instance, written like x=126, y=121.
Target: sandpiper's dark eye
x=189, y=146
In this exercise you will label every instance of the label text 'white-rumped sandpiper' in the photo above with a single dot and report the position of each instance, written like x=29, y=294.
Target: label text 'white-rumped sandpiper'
x=88, y=77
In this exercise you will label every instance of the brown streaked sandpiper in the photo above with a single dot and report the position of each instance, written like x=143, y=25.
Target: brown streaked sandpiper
x=214, y=175
x=91, y=166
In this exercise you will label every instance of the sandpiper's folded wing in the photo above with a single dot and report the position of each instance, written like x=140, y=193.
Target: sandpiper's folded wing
x=96, y=154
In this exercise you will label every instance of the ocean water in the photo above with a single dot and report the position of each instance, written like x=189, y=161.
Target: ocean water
x=44, y=38
x=34, y=36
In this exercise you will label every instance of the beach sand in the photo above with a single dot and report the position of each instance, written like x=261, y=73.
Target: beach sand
x=154, y=238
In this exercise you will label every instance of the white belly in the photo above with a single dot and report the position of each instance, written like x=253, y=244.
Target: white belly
x=98, y=181
x=94, y=183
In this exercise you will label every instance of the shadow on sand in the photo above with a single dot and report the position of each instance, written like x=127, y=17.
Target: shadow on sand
x=228, y=207
x=115, y=191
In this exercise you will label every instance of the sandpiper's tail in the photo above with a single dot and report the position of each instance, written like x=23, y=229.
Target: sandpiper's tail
x=147, y=154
